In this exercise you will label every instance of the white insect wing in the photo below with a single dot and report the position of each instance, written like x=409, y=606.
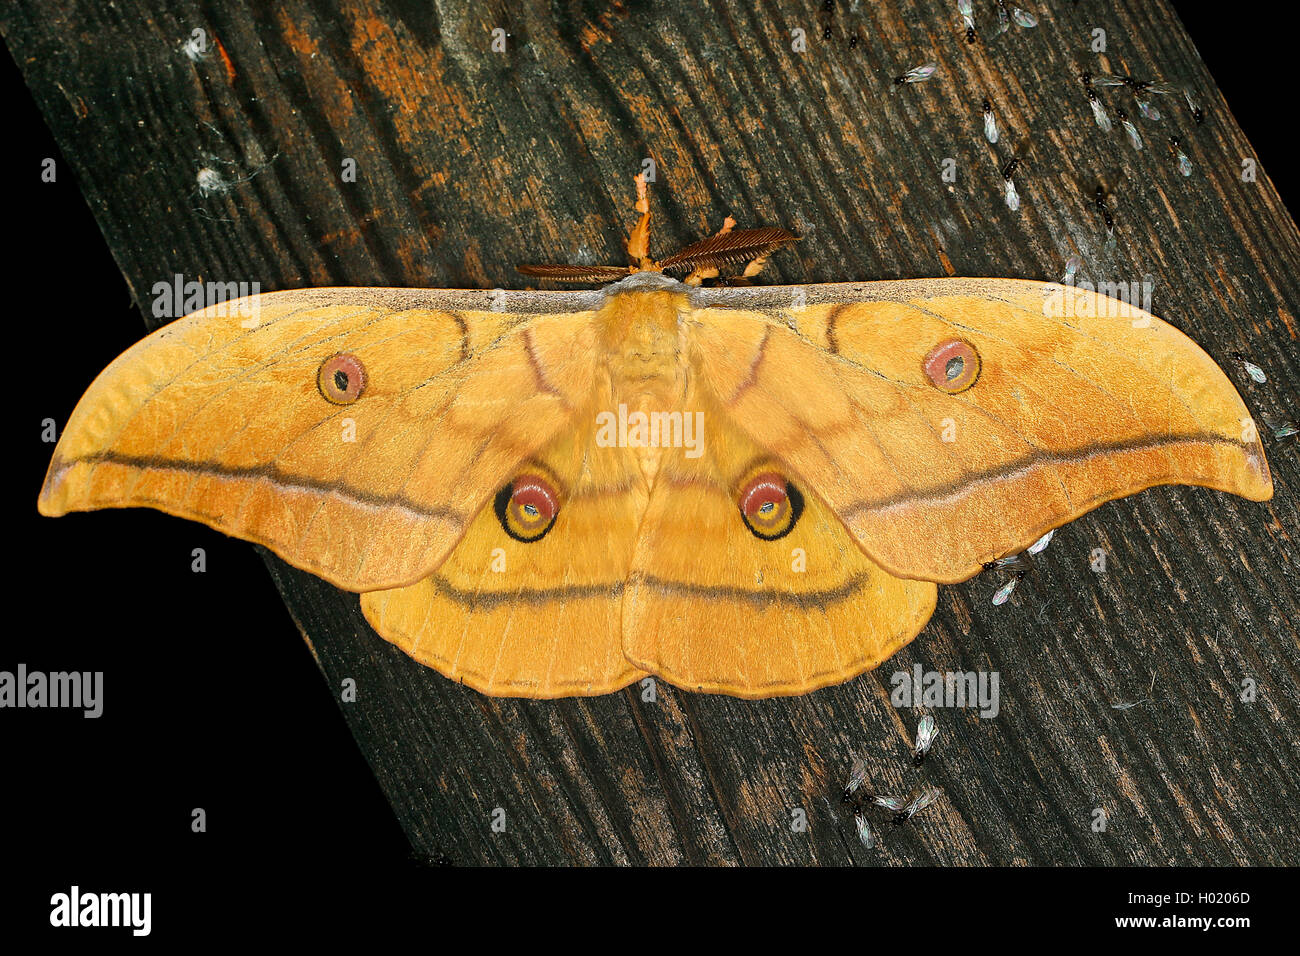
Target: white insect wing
x=921, y=801
x=1024, y=18
x=1042, y=543
x=1013, y=197
x=1099, y=114
x=1148, y=109
x=857, y=776
x=926, y=731
x=865, y=836
x=1133, y=136
x=919, y=74
x=1072, y=266
x=990, y=126
x=890, y=803
x=1004, y=593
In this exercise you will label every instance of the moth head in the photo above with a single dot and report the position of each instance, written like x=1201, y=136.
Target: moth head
x=770, y=505
x=701, y=260
x=341, y=378
x=527, y=507
x=952, y=366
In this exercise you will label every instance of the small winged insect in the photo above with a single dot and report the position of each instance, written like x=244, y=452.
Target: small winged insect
x=1184, y=164
x=1134, y=136
x=1140, y=88
x=1008, y=178
x=894, y=804
x=926, y=731
x=865, y=836
x=1072, y=266
x=990, y=122
x=1145, y=106
x=1099, y=113
x=857, y=777
x=1006, y=14
x=1148, y=110
x=917, y=74
x=920, y=800
x=1010, y=562
x=1003, y=594
x=1018, y=565
x=1253, y=370
x=1100, y=199
x=1197, y=115
x=967, y=10
x=1283, y=431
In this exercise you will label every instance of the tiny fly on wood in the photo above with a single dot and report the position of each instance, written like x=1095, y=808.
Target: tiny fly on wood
x=1008, y=174
x=1253, y=370
x=926, y=731
x=1022, y=17
x=917, y=74
x=1184, y=164
x=1140, y=89
x=990, y=122
x=1018, y=565
x=920, y=800
x=1134, y=136
x=967, y=11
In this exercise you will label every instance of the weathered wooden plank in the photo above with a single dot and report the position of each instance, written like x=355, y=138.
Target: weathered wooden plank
x=1119, y=690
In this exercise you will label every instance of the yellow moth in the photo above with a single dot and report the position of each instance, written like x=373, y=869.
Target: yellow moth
x=744, y=490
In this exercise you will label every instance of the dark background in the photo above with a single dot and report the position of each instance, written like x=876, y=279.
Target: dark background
x=190, y=721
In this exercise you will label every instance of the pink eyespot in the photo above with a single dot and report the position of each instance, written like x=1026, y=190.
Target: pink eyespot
x=341, y=379
x=952, y=366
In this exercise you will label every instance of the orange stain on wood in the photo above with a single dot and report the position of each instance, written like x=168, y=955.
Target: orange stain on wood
x=1287, y=320
x=225, y=59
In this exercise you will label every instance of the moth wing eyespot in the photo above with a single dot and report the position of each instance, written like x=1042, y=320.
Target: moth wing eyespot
x=952, y=366
x=341, y=378
x=770, y=505
x=527, y=507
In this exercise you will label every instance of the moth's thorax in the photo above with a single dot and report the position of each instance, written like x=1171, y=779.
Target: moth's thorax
x=642, y=334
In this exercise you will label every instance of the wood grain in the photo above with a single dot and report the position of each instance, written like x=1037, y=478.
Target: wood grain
x=1119, y=690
